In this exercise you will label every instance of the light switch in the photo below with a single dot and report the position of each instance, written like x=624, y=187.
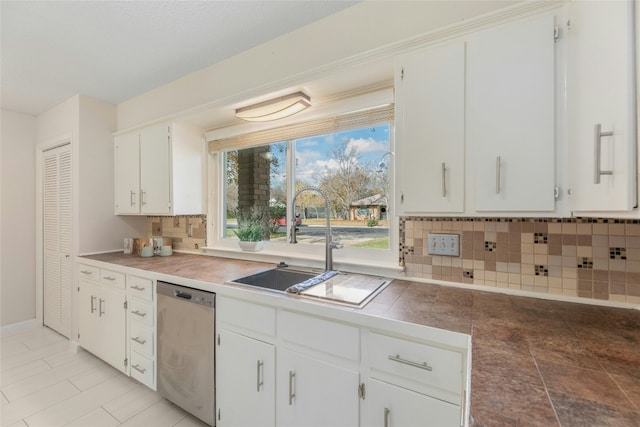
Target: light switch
x=443, y=244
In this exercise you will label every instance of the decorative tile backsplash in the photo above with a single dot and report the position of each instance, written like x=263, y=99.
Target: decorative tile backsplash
x=189, y=232
x=584, y=257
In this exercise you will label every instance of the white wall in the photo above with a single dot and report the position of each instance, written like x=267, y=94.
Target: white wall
x=306, y=52
x=17, y=218
x=99, y=229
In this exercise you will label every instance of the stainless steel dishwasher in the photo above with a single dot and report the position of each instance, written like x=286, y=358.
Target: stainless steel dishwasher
x=186, y=349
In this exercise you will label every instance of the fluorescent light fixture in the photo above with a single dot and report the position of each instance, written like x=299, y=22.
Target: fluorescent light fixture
x=274, y=109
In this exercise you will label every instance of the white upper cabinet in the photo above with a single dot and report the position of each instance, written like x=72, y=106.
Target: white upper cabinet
x=511, y=116
x=430, y=96
x=127, y=174
x=601, y=106
x=158, y=171
x=476, y=122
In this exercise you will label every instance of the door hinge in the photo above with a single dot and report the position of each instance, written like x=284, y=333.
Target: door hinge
x=125, y=305
x=556, y=33
x=361, y=391
x=126, y=362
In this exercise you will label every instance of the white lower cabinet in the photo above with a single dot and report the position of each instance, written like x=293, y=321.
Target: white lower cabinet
x=102, y=323
x=312, y=392
x=245, y=381
x=116, y=320
x=276, y=366
x=387, y=405
x=142, y=329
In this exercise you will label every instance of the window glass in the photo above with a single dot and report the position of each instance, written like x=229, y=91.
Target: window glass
x=349, y=167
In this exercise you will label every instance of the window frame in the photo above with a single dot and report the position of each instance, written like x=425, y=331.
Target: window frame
x=362, y=256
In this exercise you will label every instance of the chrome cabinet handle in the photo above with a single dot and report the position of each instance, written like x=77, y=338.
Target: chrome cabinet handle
x=100, y=307
x=139, y=313
x=498, y=167
x=137, y=288
x=260, y=381
x=86, y=272
x=444, y=180
x=292, y=393
x=139, y=369
x=387, y=413
x=143, y=198
x=132, y=198
x=109, y=278
x=93, y=307
x=597, y=155
x=138, y=340
x=423, y=365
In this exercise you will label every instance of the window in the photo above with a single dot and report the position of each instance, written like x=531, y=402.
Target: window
x=345, y=157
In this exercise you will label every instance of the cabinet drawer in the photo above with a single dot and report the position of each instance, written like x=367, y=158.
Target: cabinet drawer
x=143, y=369
x=246, y=316
x=323, y=335
x=142, y=339
x=141, y=312
x=88, y=272
x=141, y=287
x=112, y=278
x=416, y=366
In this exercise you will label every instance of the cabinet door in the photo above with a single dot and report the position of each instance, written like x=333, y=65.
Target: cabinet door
x=127, y=174
x=601, y=90
x=430, y=97
x=88, y=326
x=245, y=381
x=311, y=392
x=155, y=170
x=511, y=116
x=386, y=405
x=112, y=331
x=102, y=323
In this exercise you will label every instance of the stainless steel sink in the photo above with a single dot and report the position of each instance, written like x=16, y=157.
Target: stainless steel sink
x=353, y=290
x=278, y=279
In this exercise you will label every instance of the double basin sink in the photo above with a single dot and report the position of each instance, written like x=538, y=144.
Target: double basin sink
x=349, y=289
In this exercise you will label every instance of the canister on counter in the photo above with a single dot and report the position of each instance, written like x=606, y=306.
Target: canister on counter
x=128, y=245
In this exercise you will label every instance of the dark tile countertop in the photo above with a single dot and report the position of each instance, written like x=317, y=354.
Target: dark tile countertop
x=536, y=362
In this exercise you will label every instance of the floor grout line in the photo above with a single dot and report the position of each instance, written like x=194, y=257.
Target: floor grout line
x=51, y=353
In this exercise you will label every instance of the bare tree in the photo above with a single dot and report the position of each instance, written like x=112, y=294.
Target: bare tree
x=348, y=182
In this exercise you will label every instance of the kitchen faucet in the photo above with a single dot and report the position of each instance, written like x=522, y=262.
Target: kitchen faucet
x=330, y=245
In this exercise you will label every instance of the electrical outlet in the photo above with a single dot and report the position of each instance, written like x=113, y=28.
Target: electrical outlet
x=443, y=244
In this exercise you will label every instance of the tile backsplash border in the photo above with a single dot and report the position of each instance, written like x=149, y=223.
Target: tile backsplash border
x=597, y=258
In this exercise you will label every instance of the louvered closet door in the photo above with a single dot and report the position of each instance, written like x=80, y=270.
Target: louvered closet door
x=57, y=239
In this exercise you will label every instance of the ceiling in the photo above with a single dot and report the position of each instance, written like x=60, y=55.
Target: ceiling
x=117, y=50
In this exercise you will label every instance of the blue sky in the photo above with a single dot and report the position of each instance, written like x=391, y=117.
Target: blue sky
x=313, y=153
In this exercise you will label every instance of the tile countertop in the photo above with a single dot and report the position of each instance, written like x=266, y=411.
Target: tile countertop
x=535, y=362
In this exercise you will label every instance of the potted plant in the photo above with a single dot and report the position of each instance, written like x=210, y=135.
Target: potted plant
x=252, y=229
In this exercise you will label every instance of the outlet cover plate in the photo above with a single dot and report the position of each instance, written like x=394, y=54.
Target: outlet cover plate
x=443, y=244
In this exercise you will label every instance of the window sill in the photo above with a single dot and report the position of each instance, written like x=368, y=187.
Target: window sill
x=308, y=260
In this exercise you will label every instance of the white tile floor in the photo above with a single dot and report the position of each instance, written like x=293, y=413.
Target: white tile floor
x=44, y=381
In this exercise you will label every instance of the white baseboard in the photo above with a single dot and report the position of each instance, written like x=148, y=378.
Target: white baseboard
x=18, y=327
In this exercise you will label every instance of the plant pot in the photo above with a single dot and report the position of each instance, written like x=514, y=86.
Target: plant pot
x=250, y=246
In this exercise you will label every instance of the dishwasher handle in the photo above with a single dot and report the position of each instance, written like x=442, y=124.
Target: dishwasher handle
x=180, y=294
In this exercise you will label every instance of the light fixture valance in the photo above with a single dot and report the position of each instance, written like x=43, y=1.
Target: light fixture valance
x=274, y=109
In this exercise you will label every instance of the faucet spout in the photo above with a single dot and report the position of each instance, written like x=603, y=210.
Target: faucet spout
x=330, y=244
